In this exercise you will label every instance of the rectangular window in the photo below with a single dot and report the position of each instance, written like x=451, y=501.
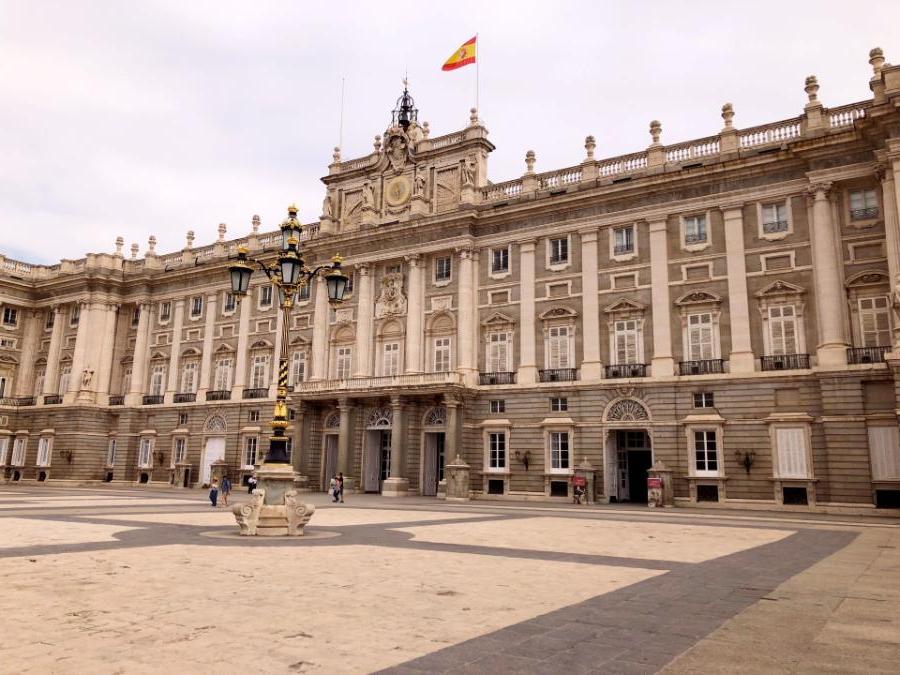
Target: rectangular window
x=75, y=316
x=43, y=453
x=706, y=460
x=884, y=446
x=49, y=320
x=259, y=373
x=875, y=321
x=253, y=416
x=126, y=380
x=497, y=450
x=704, y=399
x=782, y=330
x=250, y=446
x=189, y=378
x=297, y=373
x=392, y=269
x=559, y=404
x=157, y=380
x=559, y=251
x=4, y=446
x=3, y=382
x=303, y=292
x=390, y=359
x=559, y=450
x=775, y=217
x=351, y=280
x=165, y=311
x=64, y=374
x=343, y=362
x=499, y=260
x=145, y=452
x=498, y=406
x=229, y=304
x=700, y=337
x=18, y=453
x=442, y=355
x=223, y=374
x=442, y=267
x=182, y=419
x=197, y=306
x=558, y=347
x=10, y=316
x=39, y=381
x=265, y=296
x=863, y=204
x=289, y=448
x=111, y=452
x=623, y=240
x=179, y=452
x=626, y=341
x=135, y=316
x=498, y=353
x=791, y=443
x=695, y=229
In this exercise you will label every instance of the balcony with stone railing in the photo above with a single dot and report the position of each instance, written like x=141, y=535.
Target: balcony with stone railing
x=218, y=395
x=384, y=383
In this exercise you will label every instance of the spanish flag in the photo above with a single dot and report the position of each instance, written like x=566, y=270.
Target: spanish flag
x=462, y=56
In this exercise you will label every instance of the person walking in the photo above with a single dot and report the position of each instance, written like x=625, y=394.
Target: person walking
x=251, y=483
x=340, y=486
x=214, y=492
x=226, y=489
x=333, y=488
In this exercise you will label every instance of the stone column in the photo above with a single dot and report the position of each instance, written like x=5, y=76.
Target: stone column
x=107, y=352
x=172, y=383
x=139, y=360
x=396, y=485
x=208, y=330
x=82, y=336
x=892, y=237
x=663, y=364
x=466, y=359
x=832, y=348
x=451, y=439
x=527, y=371
x=591, y=366
x=52, y=371
x=320, y=332
x=240, y=359
x=299, y=437
x=414, y=314
x=30, y=338
x=741, y=359
x=362, y=367
x=345, y=442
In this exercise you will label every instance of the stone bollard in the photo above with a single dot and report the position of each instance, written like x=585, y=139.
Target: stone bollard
x=457, y=480
x=659, y=485
x=585, y=471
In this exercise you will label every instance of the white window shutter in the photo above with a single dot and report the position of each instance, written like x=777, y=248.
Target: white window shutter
x=884, y=446
x=792, y=453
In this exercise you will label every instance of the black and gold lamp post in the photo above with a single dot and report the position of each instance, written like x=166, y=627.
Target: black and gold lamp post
x=287, y=274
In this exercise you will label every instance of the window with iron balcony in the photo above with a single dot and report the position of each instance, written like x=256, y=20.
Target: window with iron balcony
x=623, y=240
x=775, y=218
x=863, y=204
x=695, y=229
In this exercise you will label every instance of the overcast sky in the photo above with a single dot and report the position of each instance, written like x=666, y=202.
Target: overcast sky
x=137, y=118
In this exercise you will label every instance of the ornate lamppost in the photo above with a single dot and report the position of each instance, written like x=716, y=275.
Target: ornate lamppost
x=274, y=509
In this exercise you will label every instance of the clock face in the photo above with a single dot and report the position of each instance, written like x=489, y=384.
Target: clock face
x=397, y=191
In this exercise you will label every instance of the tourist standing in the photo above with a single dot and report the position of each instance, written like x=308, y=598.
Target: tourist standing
x=226, y=490
x=341, y=486
x=251, y=483
x=214, y=492
x=333, y=488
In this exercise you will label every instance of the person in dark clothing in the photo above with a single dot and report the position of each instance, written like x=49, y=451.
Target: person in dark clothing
x=214, y=492
x=340, y=486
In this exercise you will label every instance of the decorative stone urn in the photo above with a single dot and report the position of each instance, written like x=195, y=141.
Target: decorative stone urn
x=457, y=474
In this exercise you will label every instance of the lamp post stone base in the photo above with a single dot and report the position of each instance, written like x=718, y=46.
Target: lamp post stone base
x=395, y=487
x=274, y=509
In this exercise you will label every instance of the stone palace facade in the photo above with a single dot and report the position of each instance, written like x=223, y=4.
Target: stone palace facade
x=726, y=306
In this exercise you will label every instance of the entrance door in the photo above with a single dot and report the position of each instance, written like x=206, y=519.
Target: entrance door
x=214, y=451
x=378, y=459
x=330, y=461
x=434, y=463
x=634, y=457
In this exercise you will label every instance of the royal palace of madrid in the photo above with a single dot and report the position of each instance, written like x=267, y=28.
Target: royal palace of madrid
x=725, y=309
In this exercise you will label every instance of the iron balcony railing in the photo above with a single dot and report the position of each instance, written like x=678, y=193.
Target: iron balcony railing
x=117, y=400
x=496, y=378
x=53, y=399
x=184, y=398
x=701, y=367
x=867, y=354
x=695, y=238
x=218, y=395
x=153, y=399
x=864, y=214
x=261, y=392
x=25, y=400
x=775, y=226
x=623, y=249
x=9, y=401
x=784, y=362
x=620, y=370
x=558, y=375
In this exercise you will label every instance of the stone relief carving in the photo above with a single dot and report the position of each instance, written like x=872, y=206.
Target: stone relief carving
x=333, y=421
x=380, y=418
x=368, y=196
x=327, y=208
x=436, y=417
x=391, y=301
x=627, y=410
x=247, y=515
x=469, y=173
x=215, y=424
x=441, y=303
x=397, y=150
x=420, y=185
x=298, y=513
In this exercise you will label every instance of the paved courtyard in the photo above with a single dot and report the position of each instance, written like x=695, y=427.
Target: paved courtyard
x=140, y=581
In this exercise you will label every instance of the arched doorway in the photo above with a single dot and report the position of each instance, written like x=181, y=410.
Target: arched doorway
x=330, y=438
x=213, y=447
x=377, y=464
x=629, y=452
x=434, y=426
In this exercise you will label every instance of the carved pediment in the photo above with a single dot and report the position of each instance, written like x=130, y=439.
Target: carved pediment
x=698, y=298
x=157, y=356
x=623, y=305
x=6, y=358
x=261, y=344
x=191, y=351
x=299, y=340
x=780, y=287
x=868, y=278
x=224, y=347
x=559, y=313
x=497, y=319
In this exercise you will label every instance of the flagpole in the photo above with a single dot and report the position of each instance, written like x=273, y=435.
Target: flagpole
x=341, y=130
x=477, y=62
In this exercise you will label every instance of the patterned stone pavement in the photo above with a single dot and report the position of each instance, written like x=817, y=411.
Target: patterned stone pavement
x=132, y=580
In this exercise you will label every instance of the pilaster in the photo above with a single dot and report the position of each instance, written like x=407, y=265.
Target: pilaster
x=364, y=307
x=591, y=365
x=831, y=351
x=139, y=361
x=467, y=316
x=741, y=359
x=30, y=340
x=172, y=383
x=208, y=330
x=52, y=372
x=345, y=438
x=663, y=364
x=85, y=333
x=107, y=351
x=891, y=201
x=396, y=485
x=527, y=371
x=320, y=332
x=414, y=314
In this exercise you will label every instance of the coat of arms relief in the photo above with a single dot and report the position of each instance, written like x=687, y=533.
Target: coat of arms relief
x=391, y=300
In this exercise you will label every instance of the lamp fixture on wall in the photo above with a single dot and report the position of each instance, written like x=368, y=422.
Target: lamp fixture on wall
x=524, y=457
x=745, y=458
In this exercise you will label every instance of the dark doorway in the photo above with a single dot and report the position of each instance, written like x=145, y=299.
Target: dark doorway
x=634, y=458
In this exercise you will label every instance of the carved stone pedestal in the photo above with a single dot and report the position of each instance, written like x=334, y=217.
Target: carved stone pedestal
x=664, y=474
x=217, y=471
x=392, y=487
x=457, y=473
x=274, y=509
x=585, y=470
